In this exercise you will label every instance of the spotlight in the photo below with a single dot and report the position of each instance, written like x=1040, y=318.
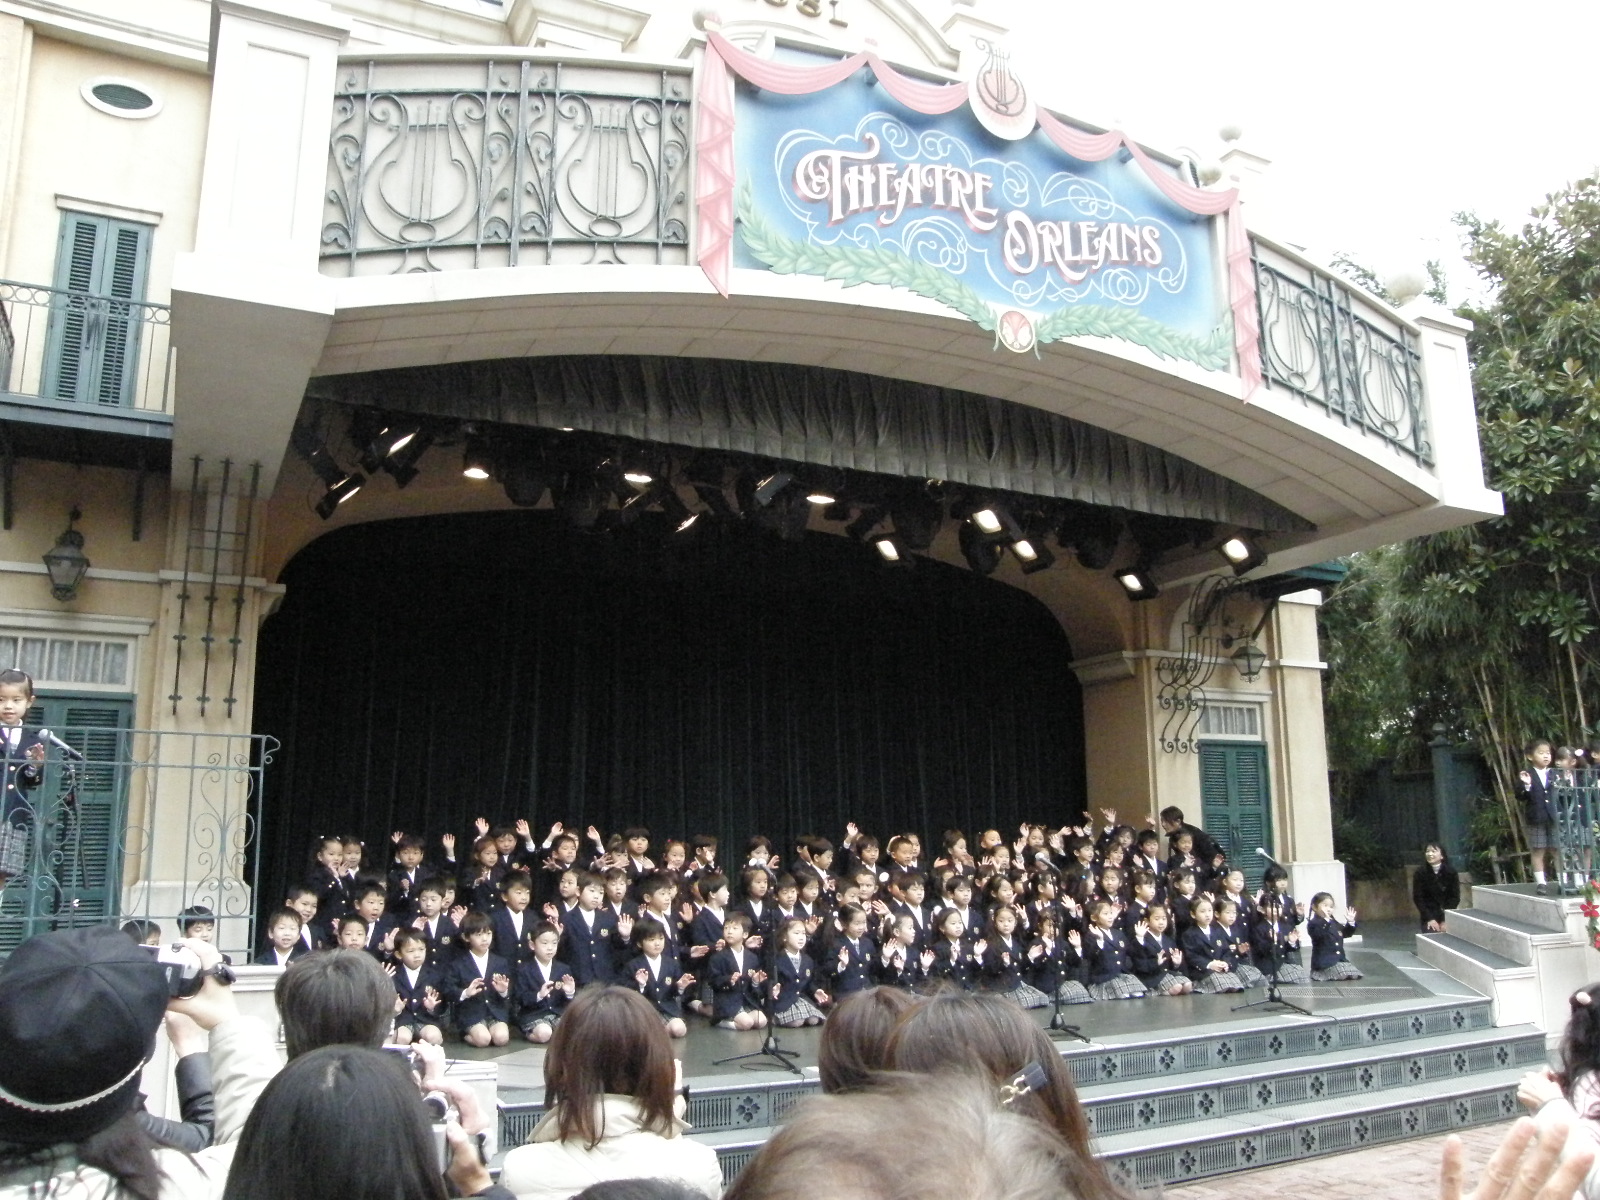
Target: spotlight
x=714, y=498
x=1092, y=534
x=769, y=488
x=338, y=484
x=1242, y=553
x=401, y=462
x=821, y=498
x=987, y=520
x=389, y=440
x=1032, y=554
x=581, y=498
x=993, y=521
x=638, y=478
x=1138, y=584
x=340, y=490
x=475, y=461
x=525, y=481
x=982, y=554
x=891, y=552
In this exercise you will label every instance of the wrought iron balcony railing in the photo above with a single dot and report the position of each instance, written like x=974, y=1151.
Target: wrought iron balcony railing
x=1324, y=341
x=85, y=349
x=440, y=164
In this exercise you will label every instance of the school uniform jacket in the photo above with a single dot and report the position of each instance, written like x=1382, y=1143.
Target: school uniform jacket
x=269, y=956
x=22, y=774
x=591, y=949
x=1327, y=941
x=442, y=936
x=730, y=998
x=975, y=920
x=793, y=983
x=480, y=895
x=488, y=1005
x=1537, y=808
x=333, y=897
x=953, y=962
x=919, y=917
x=904, y=967
x=403, y=885
x=1267, y=932
x=1130, y=916
x=530, y=978
x=1150, y=957
x=761, y=923
x=1106, y=952
x=1203, y=946
x=1059, y=963
x=706, y=928
x=413, y=994
x=1002, y=964
x=509, y=944
x=376, y=932
x=661, y=984
x=849, y=965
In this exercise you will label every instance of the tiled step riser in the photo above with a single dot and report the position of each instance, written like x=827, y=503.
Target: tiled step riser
x=1514, y=992
x=1516, y=944
x=1547, y=912
x=1314, y=1137
x=1127, y=1114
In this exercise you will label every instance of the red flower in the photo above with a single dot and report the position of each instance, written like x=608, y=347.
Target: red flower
x=1589, y=910
x=1597, y=942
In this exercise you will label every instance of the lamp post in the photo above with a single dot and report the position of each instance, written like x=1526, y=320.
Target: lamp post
x=66, y=563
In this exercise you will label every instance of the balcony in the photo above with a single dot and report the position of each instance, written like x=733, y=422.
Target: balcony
x=84, y=378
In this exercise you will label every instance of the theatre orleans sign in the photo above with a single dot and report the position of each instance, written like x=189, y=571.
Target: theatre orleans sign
x=865, y=176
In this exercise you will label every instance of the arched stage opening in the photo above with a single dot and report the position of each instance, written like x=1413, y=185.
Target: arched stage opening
x=422, y=672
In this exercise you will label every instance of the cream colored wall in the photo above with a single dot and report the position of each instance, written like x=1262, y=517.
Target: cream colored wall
x=69, y=148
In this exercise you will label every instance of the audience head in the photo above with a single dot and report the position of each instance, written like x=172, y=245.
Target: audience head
x=143, y=933
x=334, y=997
x=342, y=1121
x=610, y=1041
x=855, y=1037
x=640, y=1189
x=1580, y=1047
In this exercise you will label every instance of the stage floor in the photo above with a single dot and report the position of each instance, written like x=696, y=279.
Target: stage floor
x=1394, y=976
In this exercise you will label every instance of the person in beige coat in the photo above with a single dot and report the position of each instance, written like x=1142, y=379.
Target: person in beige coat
x=610, y=1098
x=79, y=1013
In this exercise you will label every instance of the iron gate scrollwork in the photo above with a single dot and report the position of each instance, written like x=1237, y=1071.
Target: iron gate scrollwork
x=440, y=165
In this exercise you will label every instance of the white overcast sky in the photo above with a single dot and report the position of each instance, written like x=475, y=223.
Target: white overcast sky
x=1382, y=118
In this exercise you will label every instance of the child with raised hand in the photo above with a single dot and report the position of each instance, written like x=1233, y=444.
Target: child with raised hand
x=420, y=1007
x=1005, y=958
x=797, y=995
x=406, y=875
x=437, y=928
x=1111, y=975
x=1277, y=929
x=1328, y=962
x=479, y=886
x=371, y=900
x=902, y=961
x=736, y=979
x=591, y=937
x=953, y=959
x=543, y=985
x=1157, y=959
x=1208, y=957
x=848, y=959
x=1055, y=961
x=658, y=976
x=1533, y=788
x=1227, y=916
x=478, y=985
x=326, y=879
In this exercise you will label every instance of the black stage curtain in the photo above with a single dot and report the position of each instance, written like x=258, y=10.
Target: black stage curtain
x=423, y=672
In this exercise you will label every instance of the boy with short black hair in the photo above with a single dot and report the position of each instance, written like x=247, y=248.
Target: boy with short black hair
x=591, y=937
x=434, y=924
x=371, y=899
x=406, y=876
x=314, y=935
x=543, y=985
x=198, y=921
x=283, y=939
x=511, y=921
x=419, y=989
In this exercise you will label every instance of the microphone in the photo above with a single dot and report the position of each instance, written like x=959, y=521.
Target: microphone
x=46, y=736
x=1268, y=857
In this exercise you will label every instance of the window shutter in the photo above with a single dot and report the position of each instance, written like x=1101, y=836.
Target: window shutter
x=101, y=269
x=123, y=277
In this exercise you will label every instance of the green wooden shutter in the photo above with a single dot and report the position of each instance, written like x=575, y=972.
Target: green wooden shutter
x=1235, y=807
x=93, y=339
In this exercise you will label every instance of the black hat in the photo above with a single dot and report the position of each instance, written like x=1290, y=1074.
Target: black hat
x=79, y=1012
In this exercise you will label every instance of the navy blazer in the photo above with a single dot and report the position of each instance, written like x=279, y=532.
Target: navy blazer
x=444, y=939
x=792, y=983
x=849, y=967
x=953, y=962
x=1150, y=957
x=706, y=928
x=1106, y=952
x=1267, y=933
x=661, y=986
x=591, y=951
x=1003, y=965
x=1202, y=946
x=269, y=956
x=488, y=1005
x=333, y=895
x=507, y=943
x=1058, y=964
x=530, y=980
x=22, y=776
x=1327, y=941
x=1537, y=808
x=730, y=998
x=413, y=996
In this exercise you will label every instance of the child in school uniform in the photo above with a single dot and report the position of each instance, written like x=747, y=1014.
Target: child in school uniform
x=618, y=885
x=958, y=898
x=658, y=976
x=591, y=938
x=1227, y=916
x=737, y=979
x=1156, y=957
x=953, y=960
x=1005, y=958
x=314, y=935
x=907, y=891
x=543, y=985
x=1277, y=929
x=848, y=960
x=1208, y=957
x=1182, y=887
x=1328, y=962
x=1232, y=888
x=1055, y=962
x=417, y=986
x=434, y=924
x=327, y=881
x=478, y=986
x=1533, y=787
x=371, y=900
x=902, y=963
x=352, y=933
x=283, y=939
x=1143, y=886
x=1043, y=898
x=406, y=876
x=756, y=884
x=511, y=920
x=797, y=995
x=1106, y=950
x=479, y=884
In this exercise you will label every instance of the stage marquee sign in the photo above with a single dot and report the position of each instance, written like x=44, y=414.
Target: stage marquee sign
x=964, y=195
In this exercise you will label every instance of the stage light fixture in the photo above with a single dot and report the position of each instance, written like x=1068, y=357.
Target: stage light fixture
x=987, y=520
x=917, y=517
x=401, y=463
x=338, y=484
x=768, y=489
x=891, y=552
x=525, y=480
x=1032, y=554
x=1093, y=535
x=340, y=490
x=1242, y=553
x=390, y=439
x=981, y=553
x=580, y=499
x=821, y=498
x=638, y=478
x=475, y=460
x=1138, y=584
x=714, y=498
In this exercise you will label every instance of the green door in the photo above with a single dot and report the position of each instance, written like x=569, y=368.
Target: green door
x=1235, y=805
x=93, y=344
x=75, y=862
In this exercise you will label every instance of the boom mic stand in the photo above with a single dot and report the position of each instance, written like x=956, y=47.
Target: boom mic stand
x=771, y=1056
x=1059, y=1026
x=1274, y=998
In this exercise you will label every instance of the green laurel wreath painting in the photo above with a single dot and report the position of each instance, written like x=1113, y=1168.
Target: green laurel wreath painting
x=852, y=265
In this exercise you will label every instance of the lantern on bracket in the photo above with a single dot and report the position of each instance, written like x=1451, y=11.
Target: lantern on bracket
x=66, y=563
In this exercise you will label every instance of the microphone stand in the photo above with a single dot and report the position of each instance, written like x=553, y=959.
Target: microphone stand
x=771, y=1056
x=1059, y=1026
x=1274, y=997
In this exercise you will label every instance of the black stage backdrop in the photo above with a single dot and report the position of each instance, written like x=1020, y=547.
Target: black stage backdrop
x=423, y=672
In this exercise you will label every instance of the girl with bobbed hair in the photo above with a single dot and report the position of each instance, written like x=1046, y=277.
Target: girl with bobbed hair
x=986, y=1034
x=610, y=1085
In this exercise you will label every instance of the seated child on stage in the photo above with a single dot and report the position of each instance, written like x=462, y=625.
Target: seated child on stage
x=1142, y=885
x=658, y=890
x=618, y=885
x=797, y=995
x=736, y=979
x=907, y=891
x=1277, y=929
x=902, y=963
x=435, y=926
x=314, y=935
x=1106, y=950
x=1055, y=962
x=1328, y=962
x=850, y=952
x=1004, y=959
x=958, y=898
x=1157, y=959
x=543, y=985
x=1208, y=957
x=658, y=975
x=1227, y=916
x=591, y=938
x=352, y=933
x=479, y=886
x=283, y=939
x=417, y=987
x=478, y=985
x=756, y=883
x=1182, y=886
x=953, y=959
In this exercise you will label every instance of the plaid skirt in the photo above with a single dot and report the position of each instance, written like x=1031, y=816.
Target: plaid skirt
x=1539, y=837
x=1251, y=976
x=798, y=1013
x=1339, y=970
x=13, y=849
x=1219, y=981
x=1073, y=992
x=1119, y=987
x=1168, y=981
x=1029, y=996
x=1292, y=973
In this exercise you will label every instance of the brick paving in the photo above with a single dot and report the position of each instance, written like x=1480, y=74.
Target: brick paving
x=1400, y=1171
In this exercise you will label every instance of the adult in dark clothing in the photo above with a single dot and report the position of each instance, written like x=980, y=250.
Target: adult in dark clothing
x=1205, y=846
x=1435, y=888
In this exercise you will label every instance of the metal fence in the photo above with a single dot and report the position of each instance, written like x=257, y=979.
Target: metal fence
x=1577, y=814
x=441, y=164
x=145, y=825
x=1324, y=341
x=84, y=348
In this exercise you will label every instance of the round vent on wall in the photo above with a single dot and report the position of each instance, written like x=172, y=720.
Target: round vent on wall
x=120, y=98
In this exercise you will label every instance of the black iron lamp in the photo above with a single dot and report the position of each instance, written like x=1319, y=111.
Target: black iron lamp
x=66, y=562
x=1249, y=660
